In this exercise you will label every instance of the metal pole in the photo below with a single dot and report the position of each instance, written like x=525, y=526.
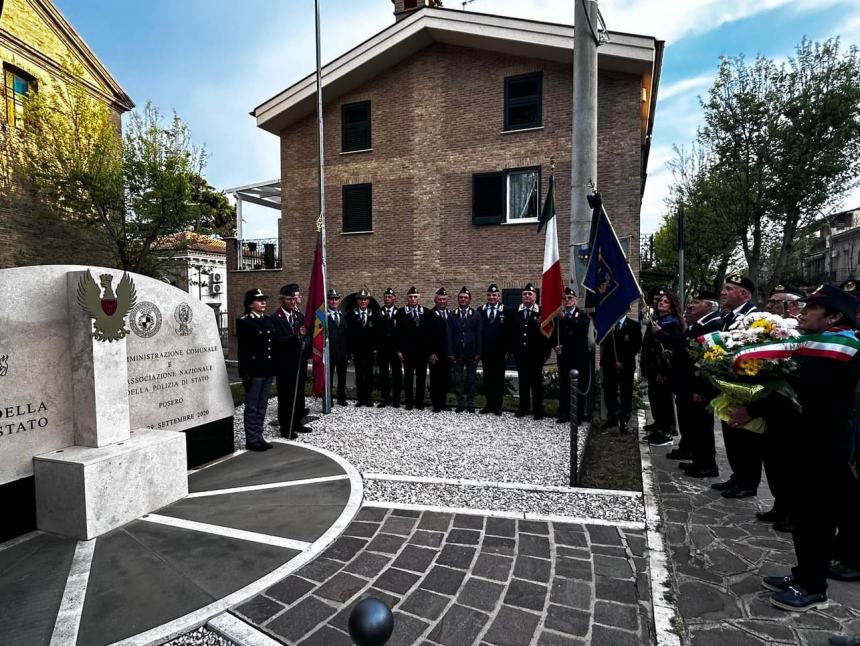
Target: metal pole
x=583, y=169
x=681, y=243
x=574, y=427
x=321, y=221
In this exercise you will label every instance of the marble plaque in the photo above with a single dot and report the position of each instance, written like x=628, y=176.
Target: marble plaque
x=174, y=370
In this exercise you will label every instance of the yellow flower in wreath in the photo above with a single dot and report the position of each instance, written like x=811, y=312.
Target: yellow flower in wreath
x=750, y=367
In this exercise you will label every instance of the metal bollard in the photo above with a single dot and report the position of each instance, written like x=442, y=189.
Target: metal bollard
x=574, y=427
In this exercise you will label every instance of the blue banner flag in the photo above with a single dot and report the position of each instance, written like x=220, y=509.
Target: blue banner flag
x=609, y=278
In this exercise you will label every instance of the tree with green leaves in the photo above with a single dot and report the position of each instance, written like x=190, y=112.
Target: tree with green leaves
x=132, y=189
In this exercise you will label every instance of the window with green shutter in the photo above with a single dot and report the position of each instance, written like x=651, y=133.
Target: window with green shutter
x=488, y=198
x=355, y=126
x=523, y=97
x=358, y=208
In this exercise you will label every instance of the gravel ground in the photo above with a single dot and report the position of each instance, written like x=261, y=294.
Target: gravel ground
x=200, y=637
x=443, y=445
x=610, y=508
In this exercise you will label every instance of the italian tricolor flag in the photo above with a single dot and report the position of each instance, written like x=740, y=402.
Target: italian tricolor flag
x=551, y=284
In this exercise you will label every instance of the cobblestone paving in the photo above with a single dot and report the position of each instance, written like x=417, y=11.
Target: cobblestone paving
x=455, y=580
x=720, y=551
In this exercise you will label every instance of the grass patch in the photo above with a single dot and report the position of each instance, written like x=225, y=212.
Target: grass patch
x=612, y=461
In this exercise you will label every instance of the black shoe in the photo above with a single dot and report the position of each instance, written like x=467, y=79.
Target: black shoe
x=841, y=572
x=678, y=454
x=537, y=417
x=395, y=405
x=358, y=404
x=724, y=486
x=785, y=526
x=796, y=599
x=622, y=428
x=408, y=407
x=268, y=445
x=419, y=407
x=711, y=472
x=769, y=516
x=304, y=429
x=307, y=411
x=257, y=446
x=564, y=419
x=382, y=404
x=650, y=427
x=609, y=423
x=687, y=466
x=659, y=439
x=485, y=411
x=342, y=402
x=520, y=413
x=459, y=409
x=436, y=409
x=777, y=583
x=737, y=492
x=470, y=409
x=497, y=413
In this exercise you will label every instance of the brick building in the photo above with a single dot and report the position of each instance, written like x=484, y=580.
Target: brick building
x=36, y=43
x=438, y=130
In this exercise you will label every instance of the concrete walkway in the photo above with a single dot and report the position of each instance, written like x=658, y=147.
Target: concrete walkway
x=719, y=551
x=460, y=579
x=248, y=522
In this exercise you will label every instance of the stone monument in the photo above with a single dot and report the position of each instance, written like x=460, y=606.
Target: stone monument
x=111, y=385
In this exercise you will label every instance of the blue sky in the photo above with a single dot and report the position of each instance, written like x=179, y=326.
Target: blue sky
x=215, y=60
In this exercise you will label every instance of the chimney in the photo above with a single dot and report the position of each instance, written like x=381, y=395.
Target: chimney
x=402, y=8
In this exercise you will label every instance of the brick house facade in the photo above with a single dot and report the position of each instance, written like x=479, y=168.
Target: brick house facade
x=437, y=107
x=35, y=43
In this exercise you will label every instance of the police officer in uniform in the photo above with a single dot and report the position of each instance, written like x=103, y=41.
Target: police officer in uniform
x=744, y=449
x=437, y=338
x=361, y=338
x=464, y=343
x=337, y=347
x=571, y=348
x=695, y=419
x=390, y=363
x=618, y=352
x=414, y=321
x=530, y=349
x=290, y=355
x=256, y=333
x=494, y=340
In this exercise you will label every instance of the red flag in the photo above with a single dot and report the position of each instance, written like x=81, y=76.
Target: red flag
x=551, y=284
x=316, y=309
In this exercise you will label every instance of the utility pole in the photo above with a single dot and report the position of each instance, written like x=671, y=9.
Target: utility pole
x=583, y=169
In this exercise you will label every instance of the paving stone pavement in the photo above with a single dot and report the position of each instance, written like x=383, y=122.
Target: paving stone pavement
x=719, y=552
x=457, y=579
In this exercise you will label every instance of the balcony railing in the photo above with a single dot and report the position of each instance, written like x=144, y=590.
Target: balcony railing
x=264, y=253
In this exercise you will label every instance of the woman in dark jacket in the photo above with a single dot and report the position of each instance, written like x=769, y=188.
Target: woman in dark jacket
x=661, y=350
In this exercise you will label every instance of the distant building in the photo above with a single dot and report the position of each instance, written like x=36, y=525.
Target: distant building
x=196, y=264
x=438, y=137
x=35, y=42
x=835, y=253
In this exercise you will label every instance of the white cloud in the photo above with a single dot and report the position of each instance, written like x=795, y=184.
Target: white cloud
x=684, y=87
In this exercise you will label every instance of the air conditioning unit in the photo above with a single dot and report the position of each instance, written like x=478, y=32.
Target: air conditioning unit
x=216, y=288
x=217, y=277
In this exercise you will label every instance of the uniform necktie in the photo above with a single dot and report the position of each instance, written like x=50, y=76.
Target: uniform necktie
x=364, y=318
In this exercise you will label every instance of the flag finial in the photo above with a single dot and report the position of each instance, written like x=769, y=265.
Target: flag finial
x=552, y=165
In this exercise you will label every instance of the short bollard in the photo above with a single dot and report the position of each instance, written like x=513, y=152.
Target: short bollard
x=371, y=623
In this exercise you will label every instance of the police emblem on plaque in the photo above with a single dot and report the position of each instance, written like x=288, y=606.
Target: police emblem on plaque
x=183, y=315
x=145, y=319
x=106, y=308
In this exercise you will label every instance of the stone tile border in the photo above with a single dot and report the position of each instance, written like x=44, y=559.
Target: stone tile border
x=667, y=617
x=193, y=620
x=238, y=631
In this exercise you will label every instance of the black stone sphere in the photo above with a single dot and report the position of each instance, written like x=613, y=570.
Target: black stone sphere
x=371, y=623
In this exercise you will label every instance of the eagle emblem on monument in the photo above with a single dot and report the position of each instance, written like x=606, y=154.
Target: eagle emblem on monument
x=107, y=309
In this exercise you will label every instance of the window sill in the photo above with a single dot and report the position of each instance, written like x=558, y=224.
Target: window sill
x=355, y=233
x=513, y=132
x=520, y=221
x=356, y=152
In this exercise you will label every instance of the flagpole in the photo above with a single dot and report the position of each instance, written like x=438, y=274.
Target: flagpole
x=326, y=407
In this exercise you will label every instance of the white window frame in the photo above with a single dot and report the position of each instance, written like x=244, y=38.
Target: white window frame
x=517, y=171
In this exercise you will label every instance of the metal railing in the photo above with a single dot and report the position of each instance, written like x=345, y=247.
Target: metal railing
x=263, y=253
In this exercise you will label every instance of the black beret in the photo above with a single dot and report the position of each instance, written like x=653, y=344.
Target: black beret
x=493, y=288
x=704, y=295
x=332, y=293
x=836, y=299
x=529, y=288
x=741, y=281
x=412, y=290
x=441, y=292
x=289, y=289
x=569, y=292
x=465, y=291
x=363, y=293
x=849, y=285
x=254, y=295
x=786, y=289
x=389, y=292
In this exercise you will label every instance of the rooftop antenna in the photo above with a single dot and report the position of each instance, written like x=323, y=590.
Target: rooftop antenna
x=465, y=2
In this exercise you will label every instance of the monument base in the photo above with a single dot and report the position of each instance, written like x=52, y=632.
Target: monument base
x=84, y=492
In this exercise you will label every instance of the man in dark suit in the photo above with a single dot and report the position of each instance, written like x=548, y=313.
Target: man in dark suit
x=414, y=321
x=464, y=343
x=571, y=347
x=494, y=340
x=695, y=419
x=618, y=352
x=290, y=354
x=440, y=366
x=336, y=347
x=530, y=349
x=361, y=337
x=744, y=449
x=256, y=333
x=390, y=364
